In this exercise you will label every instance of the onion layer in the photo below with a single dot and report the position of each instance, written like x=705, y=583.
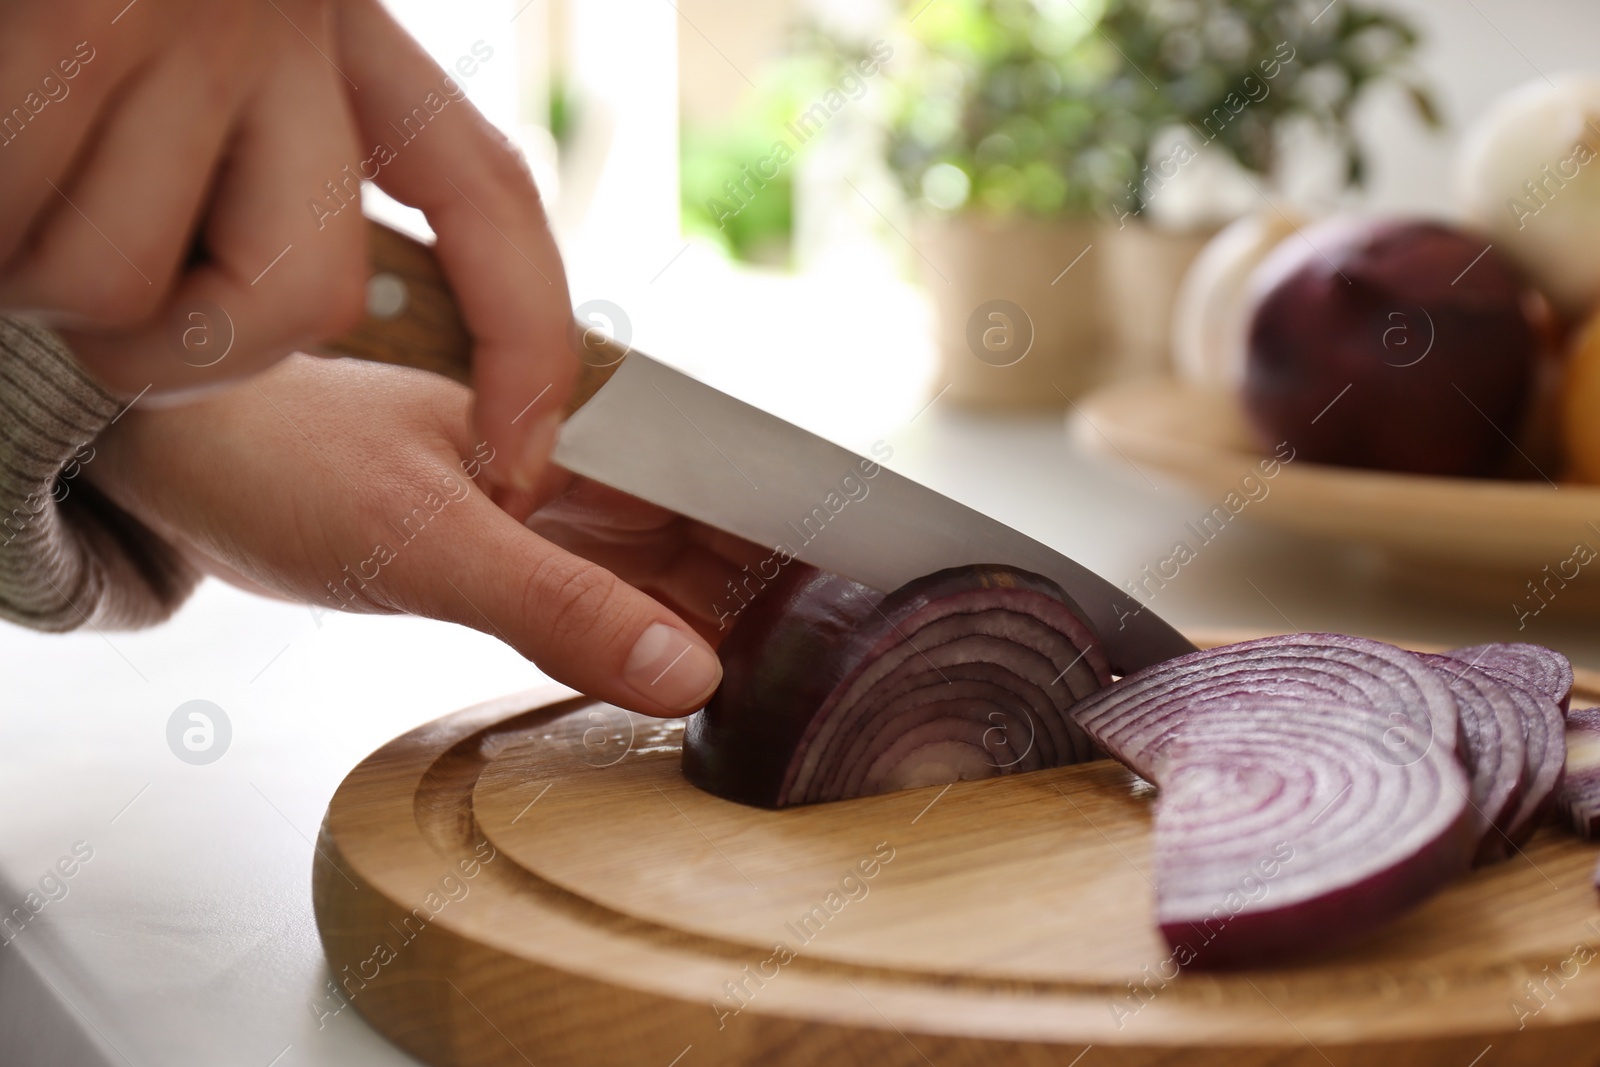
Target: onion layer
x=832, y=690
x=1580, y=789
x=1311, y=789
x=1541, y=668
x=1496, y=753
x=1544, y=731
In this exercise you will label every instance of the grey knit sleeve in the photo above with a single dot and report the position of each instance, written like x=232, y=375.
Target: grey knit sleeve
x=69, y=557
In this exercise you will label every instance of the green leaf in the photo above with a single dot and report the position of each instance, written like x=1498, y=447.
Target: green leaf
x=1427, y=109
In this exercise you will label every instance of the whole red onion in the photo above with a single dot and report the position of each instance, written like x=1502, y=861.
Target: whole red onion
x=1397, y=345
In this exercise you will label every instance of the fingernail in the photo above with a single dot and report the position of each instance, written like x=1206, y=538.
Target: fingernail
x=536, y=449
x=671, y=668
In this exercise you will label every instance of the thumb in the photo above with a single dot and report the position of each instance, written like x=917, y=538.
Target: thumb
x=580, y=624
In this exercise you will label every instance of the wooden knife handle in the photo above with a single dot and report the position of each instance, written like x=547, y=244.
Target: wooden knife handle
x=413, y=320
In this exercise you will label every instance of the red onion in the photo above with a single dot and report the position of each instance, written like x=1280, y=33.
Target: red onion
x=1580, y=788
x=1545, y=670
x=832, y=690
x=1312, y=786
x=1310, y=790
x=1540, y=682
x=1397, y=344
x=1496, y=753
x=1544, y=730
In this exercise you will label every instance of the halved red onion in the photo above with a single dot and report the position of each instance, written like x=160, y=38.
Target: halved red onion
x=832, y=690
x=1496, y=752
x=1579, y=797
x=1544, y=731
x=1311, y=789
x=1544, y=669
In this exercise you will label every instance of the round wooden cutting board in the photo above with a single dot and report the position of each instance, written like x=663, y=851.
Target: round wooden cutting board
x=533, y=882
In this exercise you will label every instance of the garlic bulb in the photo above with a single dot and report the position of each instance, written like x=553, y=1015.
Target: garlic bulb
x=1529, y=177
x=1212, y=310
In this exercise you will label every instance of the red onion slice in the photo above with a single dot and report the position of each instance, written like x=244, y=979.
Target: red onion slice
x=1496, y=752
x=831, y=690
x=1580, y=788
x=1544, y=732
x=1311, y=789
x=1543, y=669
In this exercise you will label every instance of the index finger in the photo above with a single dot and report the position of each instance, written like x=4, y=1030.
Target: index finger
x=431, y=149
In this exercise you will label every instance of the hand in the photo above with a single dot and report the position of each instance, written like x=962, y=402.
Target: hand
x=359, y=486
x=161, y=167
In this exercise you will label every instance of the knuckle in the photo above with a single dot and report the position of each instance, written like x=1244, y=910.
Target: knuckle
x=14, y=226
x=506, y=165
x=570, y=598
x=115, y=299
x=64, y=275
x=329, y=302
x=344, y=305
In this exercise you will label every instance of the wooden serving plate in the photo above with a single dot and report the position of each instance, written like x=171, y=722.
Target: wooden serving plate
x=532, y=881
x=1478, y=537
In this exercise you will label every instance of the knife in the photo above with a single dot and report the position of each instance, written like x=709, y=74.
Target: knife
x=653, y=432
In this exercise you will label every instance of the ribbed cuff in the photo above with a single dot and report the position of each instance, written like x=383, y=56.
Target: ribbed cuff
x=69, y=557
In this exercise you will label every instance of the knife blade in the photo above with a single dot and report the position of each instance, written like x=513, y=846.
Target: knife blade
x=642, y=427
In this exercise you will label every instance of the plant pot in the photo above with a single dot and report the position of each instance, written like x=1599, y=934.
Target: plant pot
x=1142, y=267
x=1019, y=307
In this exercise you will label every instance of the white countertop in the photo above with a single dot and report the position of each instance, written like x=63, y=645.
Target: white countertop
x=188, y=937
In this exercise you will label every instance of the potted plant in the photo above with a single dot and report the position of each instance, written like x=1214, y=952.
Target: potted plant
x=1217, y=85
x=1031, y=132
x=1001, y=136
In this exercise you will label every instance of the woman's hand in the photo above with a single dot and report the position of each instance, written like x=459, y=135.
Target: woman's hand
x=359, y=486
x=179, y=194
